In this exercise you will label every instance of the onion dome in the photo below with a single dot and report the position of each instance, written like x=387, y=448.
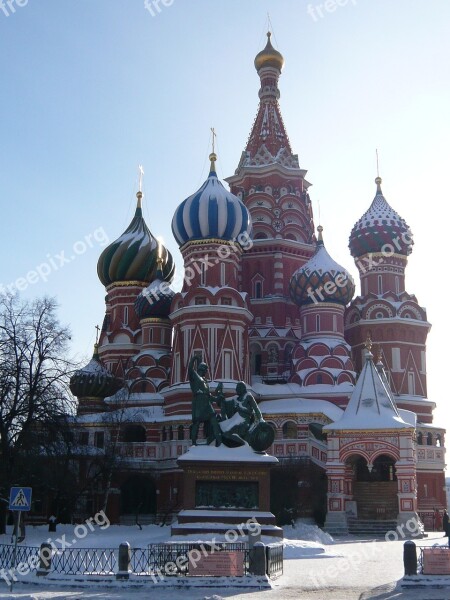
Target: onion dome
x=156, y=299
x=321, y=279
x=269, y=57
x=133, y=256
x=380, y=229
x=93, y=380
x=212, y=212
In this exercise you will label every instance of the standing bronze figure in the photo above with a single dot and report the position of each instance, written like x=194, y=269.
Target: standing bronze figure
x=202, y=399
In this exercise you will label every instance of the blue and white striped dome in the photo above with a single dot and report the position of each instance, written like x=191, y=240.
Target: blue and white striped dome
x=212, y=212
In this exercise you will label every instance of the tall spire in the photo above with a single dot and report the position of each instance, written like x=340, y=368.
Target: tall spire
x=213, y=155
x=140, y=194
x=268, y=142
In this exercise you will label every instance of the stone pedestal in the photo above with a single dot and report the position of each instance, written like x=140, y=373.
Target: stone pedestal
x=226, y=489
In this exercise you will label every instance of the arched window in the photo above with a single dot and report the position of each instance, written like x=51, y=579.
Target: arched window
x=290, y=430
x=134, y=433
x=125, y=315
x=170, y=433
x=203, y=274
x=411, y=384
x=438, y=440
x=180, y=432
x=258, y=289
x=163, y=434
x=429, y=439
x=420, y=438
x=317, y=322
x=380, y=284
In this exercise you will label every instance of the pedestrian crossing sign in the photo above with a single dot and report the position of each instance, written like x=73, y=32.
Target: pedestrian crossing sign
x=20, y=498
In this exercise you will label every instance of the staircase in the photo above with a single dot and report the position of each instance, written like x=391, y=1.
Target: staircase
x=371, y=528
x=376, y=500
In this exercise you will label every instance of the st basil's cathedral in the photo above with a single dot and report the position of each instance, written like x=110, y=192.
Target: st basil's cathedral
x=340, y=379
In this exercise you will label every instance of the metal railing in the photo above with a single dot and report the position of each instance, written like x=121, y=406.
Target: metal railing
x=85, y=561
x=169, y=559
x=24, y=554
x=274, y=560
x=155, y=559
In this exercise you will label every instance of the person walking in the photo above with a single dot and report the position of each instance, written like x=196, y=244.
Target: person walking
x=445, y=526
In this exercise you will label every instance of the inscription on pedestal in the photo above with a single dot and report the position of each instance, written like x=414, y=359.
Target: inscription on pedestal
x=226, y=494
x=218, y=474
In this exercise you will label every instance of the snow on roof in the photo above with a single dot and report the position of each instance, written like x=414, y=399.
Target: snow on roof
x=224, y=454
x=215, y=289
x=286, y=390
x=135, y=398
x=331, y=342
x=151, y=352
x=371, y=405
x=300, y=406
x=408, y=416
x=321, y=262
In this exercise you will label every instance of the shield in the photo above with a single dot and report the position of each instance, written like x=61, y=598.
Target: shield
x=261, y=436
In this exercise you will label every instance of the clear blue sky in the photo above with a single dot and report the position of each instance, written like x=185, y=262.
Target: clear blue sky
x=91, y=88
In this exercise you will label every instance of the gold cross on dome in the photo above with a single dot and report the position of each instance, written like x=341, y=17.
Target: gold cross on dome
x=141, y=175
x=214, y=135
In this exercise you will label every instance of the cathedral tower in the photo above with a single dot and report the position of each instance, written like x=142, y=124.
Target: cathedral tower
x=273, y=187
x=380, y=243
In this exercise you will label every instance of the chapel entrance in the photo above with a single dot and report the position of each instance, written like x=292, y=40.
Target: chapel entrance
x=375, y=489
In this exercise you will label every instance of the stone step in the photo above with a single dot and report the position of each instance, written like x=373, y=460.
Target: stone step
x=360, y=526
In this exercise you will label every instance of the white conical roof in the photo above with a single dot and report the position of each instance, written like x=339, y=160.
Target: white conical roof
x=371, y=405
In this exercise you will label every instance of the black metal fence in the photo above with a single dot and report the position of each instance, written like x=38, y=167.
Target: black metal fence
x=159, y=560
x=85, y=561
x=24, y=555
x=274, y=560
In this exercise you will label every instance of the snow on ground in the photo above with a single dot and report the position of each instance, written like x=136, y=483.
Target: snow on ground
x=301, y=540
x=350, y=568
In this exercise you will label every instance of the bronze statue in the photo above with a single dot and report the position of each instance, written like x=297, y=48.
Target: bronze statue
x=243, y=422
x=202, y=408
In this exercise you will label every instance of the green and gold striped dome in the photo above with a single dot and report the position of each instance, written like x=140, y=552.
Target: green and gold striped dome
x=133, y=256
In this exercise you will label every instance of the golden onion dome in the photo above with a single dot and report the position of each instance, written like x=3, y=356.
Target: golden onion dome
x=269, y=57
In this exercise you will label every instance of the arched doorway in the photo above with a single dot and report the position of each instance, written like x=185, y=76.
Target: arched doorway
x=138, y=496
x=374, y=487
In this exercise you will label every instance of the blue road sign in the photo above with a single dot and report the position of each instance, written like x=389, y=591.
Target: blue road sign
x=20, y=498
